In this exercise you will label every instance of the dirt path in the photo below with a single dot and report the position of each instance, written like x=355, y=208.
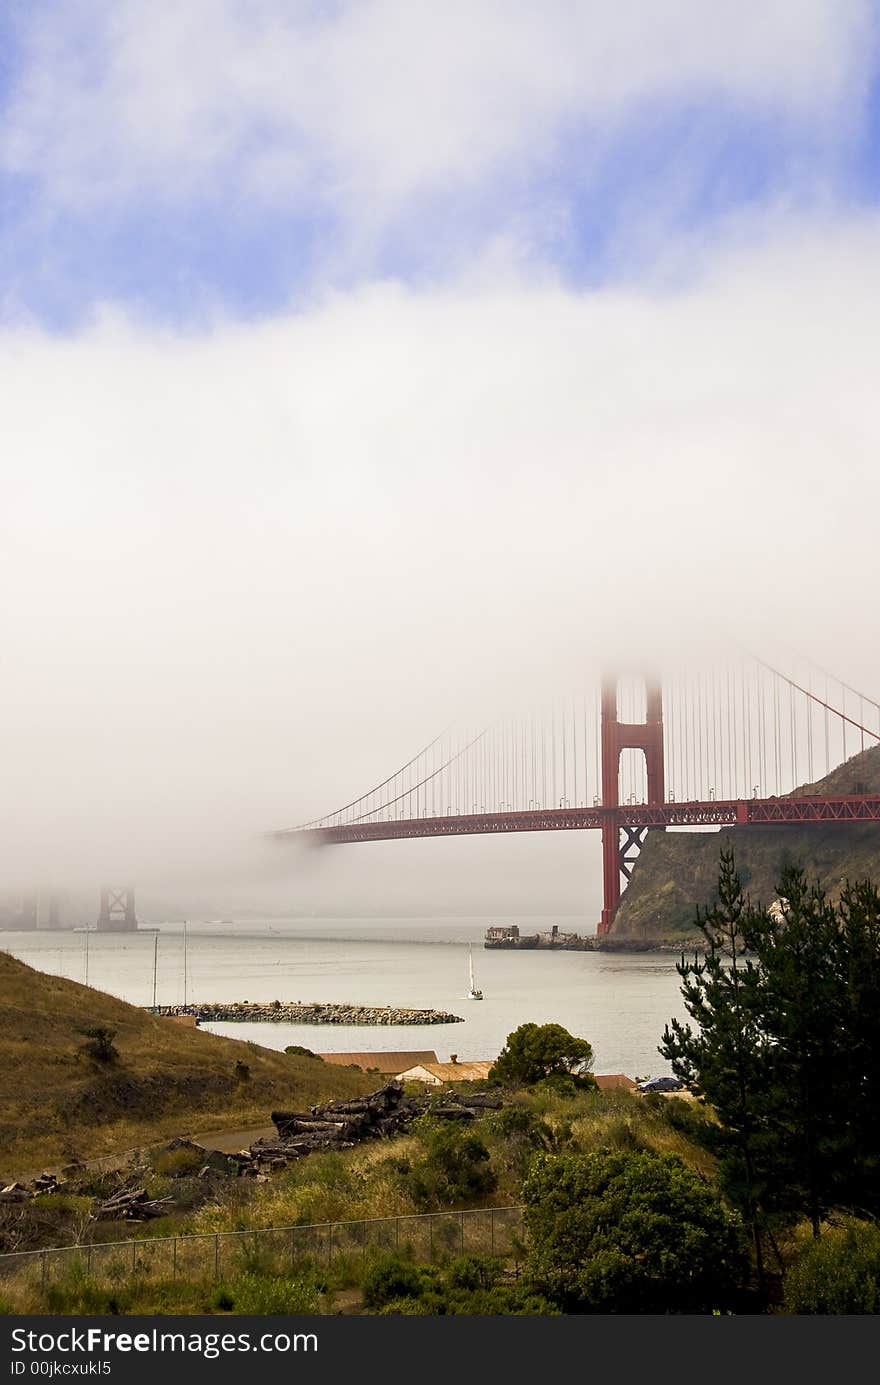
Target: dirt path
x=226, y=1141
x=231, y=1141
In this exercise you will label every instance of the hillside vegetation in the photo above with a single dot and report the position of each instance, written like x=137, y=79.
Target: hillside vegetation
x=678, y=870
x=436, y=1167
x=58, y=1103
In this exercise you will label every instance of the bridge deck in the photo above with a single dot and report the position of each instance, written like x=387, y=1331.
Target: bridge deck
x=741, y=812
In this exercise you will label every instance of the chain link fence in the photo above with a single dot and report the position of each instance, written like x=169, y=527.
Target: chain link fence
x=428, y=1237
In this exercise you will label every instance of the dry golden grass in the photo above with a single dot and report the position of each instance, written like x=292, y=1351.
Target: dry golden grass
x=366, y=1181
x=57, y=1104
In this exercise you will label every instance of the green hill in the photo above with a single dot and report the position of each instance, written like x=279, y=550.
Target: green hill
x=678, y=870
x=58, y=1103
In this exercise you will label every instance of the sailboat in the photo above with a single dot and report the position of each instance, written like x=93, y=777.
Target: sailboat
x=473, y=993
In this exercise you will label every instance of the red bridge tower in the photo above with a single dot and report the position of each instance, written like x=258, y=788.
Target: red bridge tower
x=619, y=841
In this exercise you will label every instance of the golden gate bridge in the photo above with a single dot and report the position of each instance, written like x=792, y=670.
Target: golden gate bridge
x=739, y=743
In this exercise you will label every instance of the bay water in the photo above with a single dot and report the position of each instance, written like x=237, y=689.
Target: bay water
x=619, y=1002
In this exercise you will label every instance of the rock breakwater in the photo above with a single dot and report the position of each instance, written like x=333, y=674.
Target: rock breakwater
x=296, y=1012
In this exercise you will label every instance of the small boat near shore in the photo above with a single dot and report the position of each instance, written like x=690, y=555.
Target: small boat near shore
x=473, y=992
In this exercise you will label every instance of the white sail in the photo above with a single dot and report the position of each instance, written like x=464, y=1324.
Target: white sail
x=473, y=993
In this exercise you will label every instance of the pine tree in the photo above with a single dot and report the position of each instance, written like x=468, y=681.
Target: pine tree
x=859, y=1079
x=786, y=1049
x=726, y=1059
x=802, y=1003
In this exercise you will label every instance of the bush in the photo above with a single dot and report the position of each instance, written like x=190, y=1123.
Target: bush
x=522, y=1134
x=471, y=1272
x=300, y=1052
x=390, y=1276
x=629, y=1232
x=563, y=1084
x=182, y=1162
x=470, y=1284
x=101, y=1046
x=454, y=1168
x=536, y=1051
x=838, y=1273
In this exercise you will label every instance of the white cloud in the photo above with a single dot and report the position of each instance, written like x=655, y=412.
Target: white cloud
x=253, y=570
x=365, y=106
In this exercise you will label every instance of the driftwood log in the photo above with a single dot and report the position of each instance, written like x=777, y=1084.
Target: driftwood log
x=132, y=1204
x=15, y=1192
x=452, y=1113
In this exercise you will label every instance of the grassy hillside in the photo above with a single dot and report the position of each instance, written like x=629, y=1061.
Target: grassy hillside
x=57, y=1103
x=402, y=1177
x=678, y=870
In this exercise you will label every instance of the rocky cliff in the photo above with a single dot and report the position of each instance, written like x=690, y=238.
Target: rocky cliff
x=678, y=870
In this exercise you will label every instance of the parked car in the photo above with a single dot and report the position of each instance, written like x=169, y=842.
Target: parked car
x=660, y=1084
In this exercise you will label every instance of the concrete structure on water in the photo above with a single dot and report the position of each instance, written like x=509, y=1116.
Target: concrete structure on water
x=117, y=913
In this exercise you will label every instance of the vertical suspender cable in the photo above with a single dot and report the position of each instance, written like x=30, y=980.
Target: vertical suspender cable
x=862, y=722
x=827, y=754
x=597, y=723
x=809, y=728
x=776, y=730
x=715, y=729
x=564, y=757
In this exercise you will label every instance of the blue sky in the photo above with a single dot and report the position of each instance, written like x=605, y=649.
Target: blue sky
x=260, y=194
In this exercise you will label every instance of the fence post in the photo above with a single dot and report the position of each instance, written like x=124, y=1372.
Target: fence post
x=330, y=1244
x=461, y=1231
x=174, y=1260
x=45, y=1272
x=89, y=1260
x=134, y=1257
x=431, y=1235
x=217, y=1255
x=397, y=1232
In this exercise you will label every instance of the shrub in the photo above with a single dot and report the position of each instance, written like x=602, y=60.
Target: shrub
x=470, y=1284
x=101, y=1046
x=629, y=1232
x=838, y=1273
x=620, y=1133
x=390, y=1276
x=535, y=1051
x=242, y=1071
x=562, y=1084
x=454, y=1168
x=523, y=1134
x=299, y=1051
x=472, y=1272
x=182, y=1162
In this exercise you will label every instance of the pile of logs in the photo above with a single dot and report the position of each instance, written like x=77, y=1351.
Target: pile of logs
x=23, y=1192
x=15, y=1192
x=336, y=1125
x=480, y=1101
x=132, y=1204
x=46, y=1183
x=342, y=1124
